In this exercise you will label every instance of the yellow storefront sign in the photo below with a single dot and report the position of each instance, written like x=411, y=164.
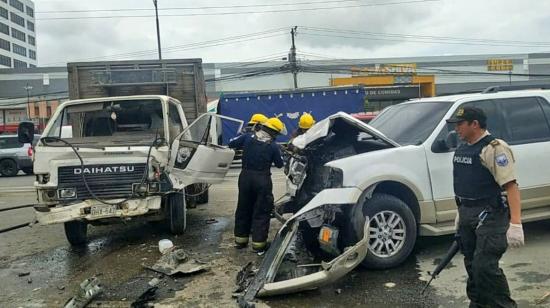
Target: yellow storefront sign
x=500, y=65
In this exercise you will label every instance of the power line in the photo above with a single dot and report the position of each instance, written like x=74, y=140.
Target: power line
x=401, y=35
x=240, y=12
x=197, y=8
x=422, y=41
x=210, y=43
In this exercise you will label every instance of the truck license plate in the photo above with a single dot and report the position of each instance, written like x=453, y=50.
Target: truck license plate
x=103, y=210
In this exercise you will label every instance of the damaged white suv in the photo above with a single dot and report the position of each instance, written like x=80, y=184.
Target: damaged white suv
x=363, y=193
x=112, y=159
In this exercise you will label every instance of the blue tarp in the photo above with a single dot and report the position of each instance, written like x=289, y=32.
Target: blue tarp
x=290, y=105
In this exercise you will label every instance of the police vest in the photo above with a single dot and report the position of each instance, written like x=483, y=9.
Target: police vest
x=257, y=155
x=471, y=179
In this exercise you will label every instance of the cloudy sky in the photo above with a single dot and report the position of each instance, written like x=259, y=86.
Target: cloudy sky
x=231, y=30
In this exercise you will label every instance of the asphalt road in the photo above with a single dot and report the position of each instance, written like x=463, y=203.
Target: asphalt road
x=116, y=255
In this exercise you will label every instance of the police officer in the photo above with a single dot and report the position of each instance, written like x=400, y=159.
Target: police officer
x=483, y=167
x=255, y=201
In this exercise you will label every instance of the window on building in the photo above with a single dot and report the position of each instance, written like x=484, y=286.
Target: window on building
x=30, y=25
x=19, y=64
x=525, y=120
x=4, y=12
x=4, y=28
x=5, y=1
x=36, y=112
x=5, y=45
x=32, y=54
x=18, y=5
x=48, y=111
x=20, y=50
x=18, y=34
x=32, y=65
x=6, y=61
x=32, y=41
x=17, y=19
x=30, y=11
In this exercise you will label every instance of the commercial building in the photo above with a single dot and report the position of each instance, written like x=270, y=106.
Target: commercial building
x=17, y=34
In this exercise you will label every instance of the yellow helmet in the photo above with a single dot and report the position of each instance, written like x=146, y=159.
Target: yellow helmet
x=306, y=121
x=257, y=118
x=276, y=125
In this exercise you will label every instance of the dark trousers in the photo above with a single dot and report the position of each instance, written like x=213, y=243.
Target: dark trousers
x=483, y=246
x=254, y=205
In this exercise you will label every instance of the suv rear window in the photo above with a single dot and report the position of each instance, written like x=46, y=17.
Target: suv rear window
x=525, y=120
x=9, y=143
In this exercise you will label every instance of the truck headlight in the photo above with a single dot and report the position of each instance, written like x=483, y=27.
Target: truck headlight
x=297, y=172
x=66, y=193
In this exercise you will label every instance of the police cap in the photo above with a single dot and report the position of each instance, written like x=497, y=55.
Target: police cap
x=469, y=114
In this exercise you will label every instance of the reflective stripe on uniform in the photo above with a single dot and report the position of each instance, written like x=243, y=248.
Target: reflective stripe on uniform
x=241, y=240
x=258, y=245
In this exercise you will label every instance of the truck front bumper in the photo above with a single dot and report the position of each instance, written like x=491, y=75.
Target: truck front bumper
x=92, y=210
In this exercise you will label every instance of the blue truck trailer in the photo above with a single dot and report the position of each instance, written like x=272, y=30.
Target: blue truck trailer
x=289, y=105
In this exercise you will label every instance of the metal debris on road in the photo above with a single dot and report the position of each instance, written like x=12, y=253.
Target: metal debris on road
x=89, y=289
x=23, y=274
x=177, y=261
x=211, y=221
x=543, y=298
x=244, y=277
x=148, y=295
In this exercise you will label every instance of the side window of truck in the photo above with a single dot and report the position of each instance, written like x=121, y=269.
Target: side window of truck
x=525, y=120
x=174, y=121
x=494, y=124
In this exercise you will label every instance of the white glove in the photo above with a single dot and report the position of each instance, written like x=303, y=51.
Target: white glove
x=515, y=235
x=457, y=220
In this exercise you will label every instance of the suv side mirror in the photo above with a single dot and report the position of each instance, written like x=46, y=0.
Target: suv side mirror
x=451, y=141
x=25, y=132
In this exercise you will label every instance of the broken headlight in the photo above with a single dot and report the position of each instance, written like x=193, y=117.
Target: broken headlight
x=297, y=171
x=66, y=193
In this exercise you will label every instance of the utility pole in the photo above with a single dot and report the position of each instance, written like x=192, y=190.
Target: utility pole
x=158, y=28
x=292, y=58
x=28, y=88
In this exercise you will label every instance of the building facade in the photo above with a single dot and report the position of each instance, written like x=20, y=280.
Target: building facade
x=17, y=34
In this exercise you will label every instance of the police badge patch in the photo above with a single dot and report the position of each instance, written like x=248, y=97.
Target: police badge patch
x=501, y=160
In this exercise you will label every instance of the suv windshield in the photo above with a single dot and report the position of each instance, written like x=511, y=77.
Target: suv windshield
x=128, y=122
x=410, y=123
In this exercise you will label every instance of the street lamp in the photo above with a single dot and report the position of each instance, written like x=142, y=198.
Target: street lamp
x=28, y=88
x=158, y=28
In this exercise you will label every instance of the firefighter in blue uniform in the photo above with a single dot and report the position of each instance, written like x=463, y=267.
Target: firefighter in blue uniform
x=487, y=221
x=255, y=202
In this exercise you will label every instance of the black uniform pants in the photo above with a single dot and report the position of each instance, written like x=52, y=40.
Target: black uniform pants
x=254, y=206
x=483, y=245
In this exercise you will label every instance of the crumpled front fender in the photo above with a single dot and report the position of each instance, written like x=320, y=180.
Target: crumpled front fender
x=331, y=271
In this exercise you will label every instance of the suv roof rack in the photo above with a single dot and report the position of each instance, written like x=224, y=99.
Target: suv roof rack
x=494, y=89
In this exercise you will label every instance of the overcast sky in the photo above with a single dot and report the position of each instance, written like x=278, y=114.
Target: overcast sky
x=478, y=21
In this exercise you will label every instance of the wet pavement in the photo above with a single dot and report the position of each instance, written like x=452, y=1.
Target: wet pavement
x=116, y=255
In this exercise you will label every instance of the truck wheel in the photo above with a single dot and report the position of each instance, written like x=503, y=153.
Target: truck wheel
x=8, y=167
x=392, y=231
x=176, y=213
x=203, y=198
x=76, y=232
x=28, y=171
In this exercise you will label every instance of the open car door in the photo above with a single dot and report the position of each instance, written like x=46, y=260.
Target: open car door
x=197, y=154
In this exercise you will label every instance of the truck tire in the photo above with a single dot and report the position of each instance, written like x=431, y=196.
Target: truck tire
x=8, y=167
x=393, y=231
x=203, y=198
x=176, y=213
x=28, y=171
x=76, y=232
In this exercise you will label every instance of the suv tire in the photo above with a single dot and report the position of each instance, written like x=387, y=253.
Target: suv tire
x=176, y=213
x=76, y=232
x=393, y=231
x=8, y=167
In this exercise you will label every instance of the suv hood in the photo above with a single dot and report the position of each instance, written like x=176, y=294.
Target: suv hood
x=322, y=129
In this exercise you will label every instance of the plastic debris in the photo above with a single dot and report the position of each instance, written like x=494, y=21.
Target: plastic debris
x=177, y=261
x=89, y=289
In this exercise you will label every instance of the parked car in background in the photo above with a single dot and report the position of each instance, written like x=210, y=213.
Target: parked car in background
x=15, y=156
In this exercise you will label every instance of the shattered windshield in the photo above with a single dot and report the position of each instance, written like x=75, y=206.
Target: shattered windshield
x=410, y=123
x=122, y=122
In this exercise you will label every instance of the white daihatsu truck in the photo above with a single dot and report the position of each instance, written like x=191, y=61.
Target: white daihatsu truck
x=111, y=159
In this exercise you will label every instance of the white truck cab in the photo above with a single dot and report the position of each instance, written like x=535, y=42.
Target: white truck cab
x=111, y=159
